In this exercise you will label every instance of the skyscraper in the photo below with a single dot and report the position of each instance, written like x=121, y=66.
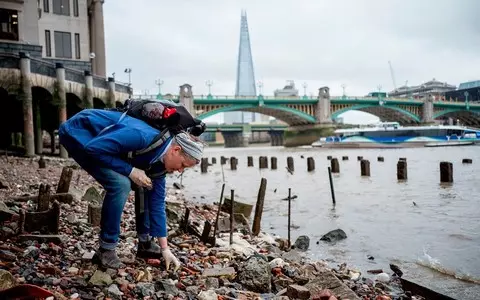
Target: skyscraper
x=245, y=85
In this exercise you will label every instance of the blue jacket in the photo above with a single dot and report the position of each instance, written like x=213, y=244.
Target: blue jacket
x=106, y=141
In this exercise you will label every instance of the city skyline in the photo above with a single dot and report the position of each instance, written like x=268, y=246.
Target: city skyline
x=319, y=43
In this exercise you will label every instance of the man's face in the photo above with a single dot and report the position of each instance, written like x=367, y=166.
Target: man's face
x=176, y=160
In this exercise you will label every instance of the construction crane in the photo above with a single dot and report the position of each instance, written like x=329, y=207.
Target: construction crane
x=393, y=76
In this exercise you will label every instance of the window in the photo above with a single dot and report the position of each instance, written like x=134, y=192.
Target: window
x=61, y=7
x=48, y=44
x=46, y=6
x=75, y=8
x=77, y=45
x=63, y=44
x=8, y=24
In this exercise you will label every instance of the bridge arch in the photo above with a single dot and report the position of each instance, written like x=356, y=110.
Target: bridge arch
x=98, y=103
x=384, y=112
x=11, y=117
x=74, y=105
x=466, y=117
x=118, y=104
x=44, y=107
x=286, y=114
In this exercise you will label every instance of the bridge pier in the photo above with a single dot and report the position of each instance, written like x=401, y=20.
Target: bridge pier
x=276, y=138
x=235, y=139
x=186, y=98
x=427, y=110
x=62, y=101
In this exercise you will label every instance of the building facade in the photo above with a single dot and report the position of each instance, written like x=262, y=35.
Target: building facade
x=433, y=87
x=67, y=31
x=467, y=90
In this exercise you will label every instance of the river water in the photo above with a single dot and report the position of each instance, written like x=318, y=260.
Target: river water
x=435, y=242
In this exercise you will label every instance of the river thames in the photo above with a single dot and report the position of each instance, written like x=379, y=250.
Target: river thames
x=435, y=242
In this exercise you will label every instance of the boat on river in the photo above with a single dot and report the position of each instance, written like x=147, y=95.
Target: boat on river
x=393, y=135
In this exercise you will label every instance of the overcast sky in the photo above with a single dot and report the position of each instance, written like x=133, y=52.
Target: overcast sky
x=318, y=42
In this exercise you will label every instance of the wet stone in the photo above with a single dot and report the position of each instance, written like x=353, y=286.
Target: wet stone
x=100, y=278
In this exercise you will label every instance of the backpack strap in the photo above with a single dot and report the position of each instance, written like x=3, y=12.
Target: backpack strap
x=157, y=142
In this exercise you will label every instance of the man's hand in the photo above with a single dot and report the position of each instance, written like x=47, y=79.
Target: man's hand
x=140, y=178
x=169, y=258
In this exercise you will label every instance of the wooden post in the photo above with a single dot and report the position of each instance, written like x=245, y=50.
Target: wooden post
x=467, y=161
x=403, y=158
x=290, y=164
x=344, y=157
x=335, y=165
x=185, y=220
x=331, y=185
x=43, y=203
x=446, y=172
x=250, y=161
x=218, y=211
x=206, y=232
x=273, y=163
x=310, y=164
x=232, y=197
x=94, y=213
x=204, y=165
x=41, y=163
x=263, y=162
x=329, y=157
x=402, y=170
x=259, y=207
x=233, y=163
x=380, y=159
x=359, y=158
x=214, y=160
x=365, y=167
x=223, y=160
x=65, y=179
x=289, y=212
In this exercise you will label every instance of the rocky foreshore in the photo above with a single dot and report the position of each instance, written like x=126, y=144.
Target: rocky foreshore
x=261, y=267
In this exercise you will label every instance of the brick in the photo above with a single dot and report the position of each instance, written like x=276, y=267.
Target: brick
x=298, y=292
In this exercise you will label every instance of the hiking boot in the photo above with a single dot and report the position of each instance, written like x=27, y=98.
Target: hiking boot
x=108, y=259
x=149, y=250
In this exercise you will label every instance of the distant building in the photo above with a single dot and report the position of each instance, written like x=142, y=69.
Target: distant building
x=288, y=90
x=472, y=88
x=64, y=31
x=433, y=87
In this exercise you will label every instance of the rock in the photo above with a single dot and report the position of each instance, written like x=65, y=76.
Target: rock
x=73, y=270
x=212, y=283
x=7, y=255
x=277, y=263
x=6, y=280
x=295, y=291
x=207, y=295
x=88, y=255
x=334, y=236
x=168, y=286
x=145, y=289
x=100, y=278
x=92, y=196
x=302, y=243
x=114, y=292
x=43, y=238
x=192, y=290
x=256, y=275
x=382, y=277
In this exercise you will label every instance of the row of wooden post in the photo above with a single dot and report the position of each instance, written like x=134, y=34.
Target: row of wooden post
x=446, y=168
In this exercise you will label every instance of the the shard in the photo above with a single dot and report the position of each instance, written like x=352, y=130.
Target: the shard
x=245, y=85
x=245, y=74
